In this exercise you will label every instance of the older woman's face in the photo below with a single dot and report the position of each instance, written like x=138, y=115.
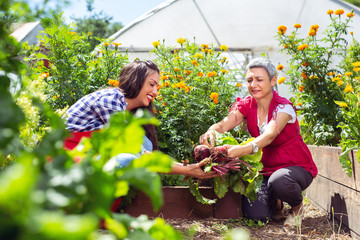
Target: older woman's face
x=258, y=82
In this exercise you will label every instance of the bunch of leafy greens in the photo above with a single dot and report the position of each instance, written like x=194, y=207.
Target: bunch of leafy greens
x=247, y=181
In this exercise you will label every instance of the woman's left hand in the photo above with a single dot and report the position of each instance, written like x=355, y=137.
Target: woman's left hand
x=235, y=150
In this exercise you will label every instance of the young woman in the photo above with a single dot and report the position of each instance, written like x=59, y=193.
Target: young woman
x=138, y=82
x=288, y=166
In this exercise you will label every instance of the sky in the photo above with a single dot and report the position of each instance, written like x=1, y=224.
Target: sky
x=123, y=11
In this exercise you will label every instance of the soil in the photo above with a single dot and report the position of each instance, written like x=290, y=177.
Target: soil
x=316, y=224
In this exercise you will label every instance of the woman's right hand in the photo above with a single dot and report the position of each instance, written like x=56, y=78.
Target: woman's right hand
x=209, y=135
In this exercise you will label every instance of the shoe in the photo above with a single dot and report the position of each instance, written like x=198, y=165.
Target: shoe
x=293, y=220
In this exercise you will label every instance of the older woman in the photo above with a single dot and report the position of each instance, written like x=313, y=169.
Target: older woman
x=288, y=166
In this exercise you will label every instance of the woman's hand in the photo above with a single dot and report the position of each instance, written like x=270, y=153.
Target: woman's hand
x=196, y=171
x=238, y=150
x=210, y=134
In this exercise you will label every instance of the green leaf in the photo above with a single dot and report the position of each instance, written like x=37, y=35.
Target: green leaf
x=221, y=185
x=155, y=162
x=194, y=189
x=345, y=162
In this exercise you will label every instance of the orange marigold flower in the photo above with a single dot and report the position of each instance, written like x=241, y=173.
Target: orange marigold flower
x=239, y=85
x=198, y=55
x=348, y=88
x=339, y=83
x=211, y=74
x=89, y=33
x=305, y=64
x=335, y=79
x=350, y=14
x=204, y=46
x=113, y=82
x=356, y=69
x=300, y=104
x=341, y=104
x=214, y=95
x=176, y=58
x=223, y=71
x=282, y=29
x=164, y=77
x=159, y=87
x=194, y=62
x=330, y=12
x=285, y=46
x=187, y=72
x=348, y=73
x=176, y=69
x=280, y=67
x=216, y=100
x=312, y=32
x=281, y=80
x=297, y=25
x=356, y=64
x=200, y=74
x=156, y=43
x=352, y=33
x=339, y=12
x=44, y=75
x=116, y=44
x=304, y=76
x=301, y=88
x=106, y=44
x=181, y=40
x=302, y=47
x=223, y=48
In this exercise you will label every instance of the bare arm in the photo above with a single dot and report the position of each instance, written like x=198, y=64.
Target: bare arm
x=192, y=170
x=229, y=122
x=273, y=129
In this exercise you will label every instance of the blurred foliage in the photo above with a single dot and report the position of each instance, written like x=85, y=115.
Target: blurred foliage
x=355, y=2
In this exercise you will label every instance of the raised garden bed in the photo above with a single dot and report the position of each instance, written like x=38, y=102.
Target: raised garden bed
x=333, y=190
x=180, y=203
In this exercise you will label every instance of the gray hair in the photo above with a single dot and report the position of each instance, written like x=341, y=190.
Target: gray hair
x=264, y=63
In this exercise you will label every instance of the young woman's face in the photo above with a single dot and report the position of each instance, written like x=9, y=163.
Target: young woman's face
x=149, y=89
x=258, y=82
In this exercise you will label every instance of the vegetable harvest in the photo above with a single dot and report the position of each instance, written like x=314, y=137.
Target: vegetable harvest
x=242, y=175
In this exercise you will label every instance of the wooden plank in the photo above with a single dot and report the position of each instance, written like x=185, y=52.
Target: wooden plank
x=327, y=161
x=343, y=200
x=356, y=170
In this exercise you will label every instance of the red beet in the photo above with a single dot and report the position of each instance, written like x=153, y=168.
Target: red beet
x=219, y=154
x=201, y=152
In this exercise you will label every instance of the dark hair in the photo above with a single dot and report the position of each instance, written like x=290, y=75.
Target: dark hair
x=131, y=80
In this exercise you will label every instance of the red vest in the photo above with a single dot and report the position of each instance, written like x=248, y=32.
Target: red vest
x=288, y=148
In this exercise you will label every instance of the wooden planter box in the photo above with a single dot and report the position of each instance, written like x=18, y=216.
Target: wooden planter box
x=180, y=203
x=333, y=190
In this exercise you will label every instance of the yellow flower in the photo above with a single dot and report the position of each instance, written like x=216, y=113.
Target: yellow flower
x=176, y=69
x=312, y=32
x=187, y=72
x=156, y=43
x=315, y=27
x=113, y=82
x=313, y=77
x=194, y=62
x=223, y=48
x=352, y=33
x=211, y=74
x=330, y=12
x=106, y=44
x=335, y=79
x=348, y=88
x=204, y=46
x=164, y=77
x=350, y=15
x=198, y=55
x=348, y=73
x=285, y=46
x=216, y=100
x=239, y=85
x=280, y=67
x=200, y=74
x=301, y=88
x=356, y=69
x=339, y=12
x=300, y=104
x=302, y=47
x=297, y=25
x=223, y=71
x=89, y=33
x=44, y=75
x=72, y=33
x=281, y=80
x=339, y=83
x=181, y=40
x=282, y=29
x=116, y=44
x=176, y=58
x=341, y=104
x=214, y=95
x=356, y=64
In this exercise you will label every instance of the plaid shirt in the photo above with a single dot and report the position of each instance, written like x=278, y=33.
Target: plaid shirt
x=93, y=111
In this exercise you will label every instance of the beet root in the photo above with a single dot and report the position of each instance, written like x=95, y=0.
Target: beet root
x=219, y=154
x=201, y=152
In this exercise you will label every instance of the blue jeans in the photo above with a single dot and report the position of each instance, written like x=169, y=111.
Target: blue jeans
x=124, y=159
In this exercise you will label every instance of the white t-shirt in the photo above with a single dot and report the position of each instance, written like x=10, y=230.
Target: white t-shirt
x=287, y=108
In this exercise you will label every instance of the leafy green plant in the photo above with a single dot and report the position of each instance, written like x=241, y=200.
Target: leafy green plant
x=246, y=180
x=75, y=68
x=196, y=90
x=315, y=74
